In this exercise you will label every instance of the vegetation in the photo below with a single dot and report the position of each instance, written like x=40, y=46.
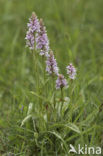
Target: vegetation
x=30, y=123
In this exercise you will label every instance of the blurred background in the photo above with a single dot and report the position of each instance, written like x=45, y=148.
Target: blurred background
x=75, y=31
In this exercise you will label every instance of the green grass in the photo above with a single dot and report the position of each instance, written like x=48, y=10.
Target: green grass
x=76, y=35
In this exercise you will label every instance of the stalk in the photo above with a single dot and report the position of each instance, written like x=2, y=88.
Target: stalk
x=54, y=101
x=36, y=74
x=62, y=99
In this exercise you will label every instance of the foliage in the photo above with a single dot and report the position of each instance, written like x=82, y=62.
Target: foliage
x=75, y=32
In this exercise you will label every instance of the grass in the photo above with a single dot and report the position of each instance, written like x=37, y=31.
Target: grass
x=75, y=33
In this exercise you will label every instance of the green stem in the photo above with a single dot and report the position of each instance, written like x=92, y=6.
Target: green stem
x=62, y=99
x=37, y=74
x=54, y=101
x=43, y=64
x=35, y=71
x=34, y=63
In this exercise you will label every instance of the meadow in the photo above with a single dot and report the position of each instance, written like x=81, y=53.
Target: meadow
x=30, y=123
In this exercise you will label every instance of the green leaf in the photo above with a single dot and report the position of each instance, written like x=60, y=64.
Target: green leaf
x=39, y=96
x=30, y=107
x=60, y=138
x=73, y=127
x=69, y=125
x=26, y=119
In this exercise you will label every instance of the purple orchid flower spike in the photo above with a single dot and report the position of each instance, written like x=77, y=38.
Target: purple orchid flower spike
x=33, y=28
x=42, y=40
x=61, y=82
x=51, y=64
x=71, y=71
